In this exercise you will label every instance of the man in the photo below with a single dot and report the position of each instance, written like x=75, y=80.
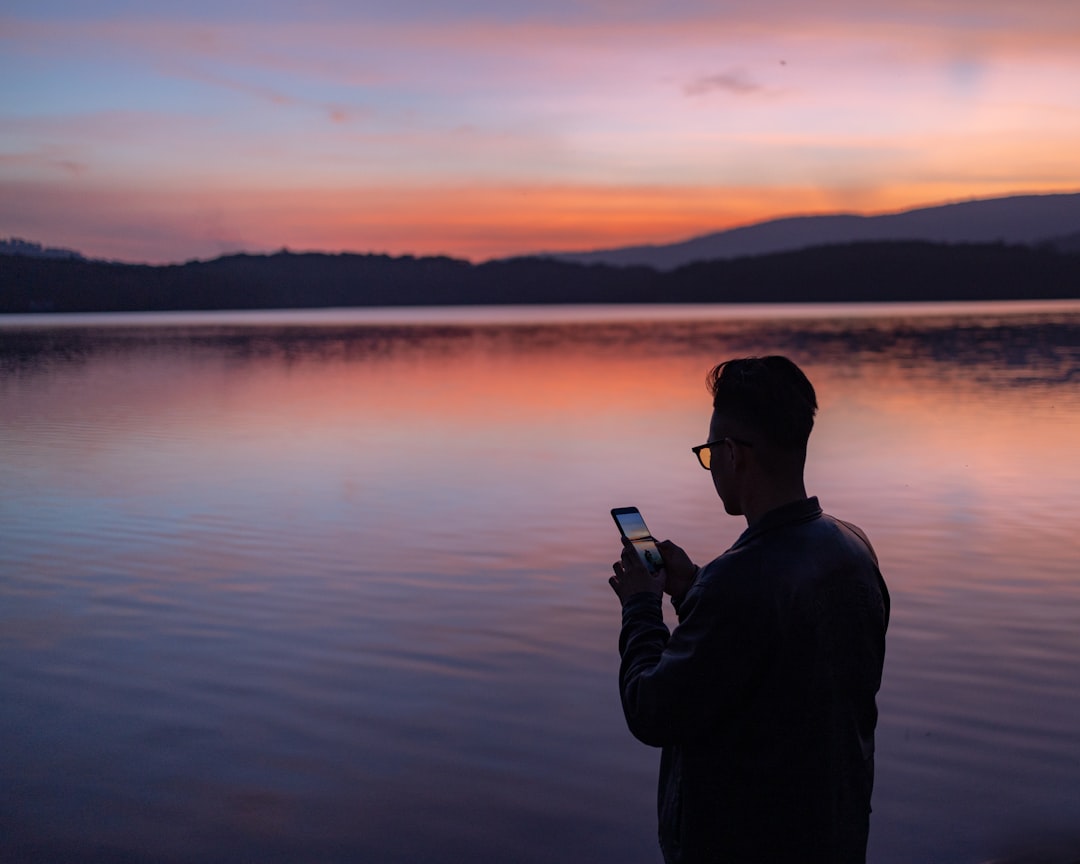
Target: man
x=763, y=696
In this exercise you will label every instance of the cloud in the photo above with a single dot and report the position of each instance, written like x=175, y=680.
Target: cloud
x=41, y=163
x=258, y=92
x=924, y=100
x=734, y=81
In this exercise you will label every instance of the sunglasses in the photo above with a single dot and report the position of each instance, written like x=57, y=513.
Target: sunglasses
x=704, y=451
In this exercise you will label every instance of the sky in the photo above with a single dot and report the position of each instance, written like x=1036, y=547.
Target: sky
x=141, y=130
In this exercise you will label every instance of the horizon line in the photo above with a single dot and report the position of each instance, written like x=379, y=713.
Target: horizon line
x=286, y=249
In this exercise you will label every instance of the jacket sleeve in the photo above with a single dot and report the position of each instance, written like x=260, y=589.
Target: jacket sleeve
x=676, y=687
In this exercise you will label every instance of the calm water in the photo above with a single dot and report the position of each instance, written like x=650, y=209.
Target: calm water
x=321, y=587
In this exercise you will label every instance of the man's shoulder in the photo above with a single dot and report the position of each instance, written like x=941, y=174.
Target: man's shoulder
x=854, y=530
x=788, y=546
x=846, y=538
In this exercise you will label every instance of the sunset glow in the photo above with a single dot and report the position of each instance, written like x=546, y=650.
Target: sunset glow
x=162, y=132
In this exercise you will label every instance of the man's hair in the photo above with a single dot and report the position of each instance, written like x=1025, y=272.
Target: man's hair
x=770, y=396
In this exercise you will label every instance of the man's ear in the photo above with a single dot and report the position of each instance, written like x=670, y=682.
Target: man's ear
x=736, y=453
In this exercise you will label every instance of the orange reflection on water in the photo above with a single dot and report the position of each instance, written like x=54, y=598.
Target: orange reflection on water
x=479, y=428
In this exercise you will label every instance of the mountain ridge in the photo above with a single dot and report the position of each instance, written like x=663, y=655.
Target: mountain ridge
x=1029, y=220
x=1048, y=219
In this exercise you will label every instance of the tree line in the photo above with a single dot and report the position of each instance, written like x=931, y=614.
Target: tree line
x=856, y=272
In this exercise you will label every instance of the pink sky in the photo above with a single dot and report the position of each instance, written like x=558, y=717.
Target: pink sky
x=489, y=130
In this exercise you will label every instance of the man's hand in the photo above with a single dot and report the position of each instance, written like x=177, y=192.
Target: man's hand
x=679, y=569
x=632, y=576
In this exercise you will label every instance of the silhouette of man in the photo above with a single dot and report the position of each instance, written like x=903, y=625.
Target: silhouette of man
x=763, y=696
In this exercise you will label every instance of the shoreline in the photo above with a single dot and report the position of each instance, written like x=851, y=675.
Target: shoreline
x=529, y=314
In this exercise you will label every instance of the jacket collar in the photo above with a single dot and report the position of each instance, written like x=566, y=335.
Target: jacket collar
x=805, y=510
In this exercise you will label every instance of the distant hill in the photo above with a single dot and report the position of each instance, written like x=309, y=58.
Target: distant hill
x=1021, y=219
x=18, y=246
x=864, y=272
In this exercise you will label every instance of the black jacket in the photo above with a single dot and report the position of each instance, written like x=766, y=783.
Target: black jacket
x=763, y=697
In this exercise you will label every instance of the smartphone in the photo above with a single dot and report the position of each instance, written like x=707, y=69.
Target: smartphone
x=633, y=528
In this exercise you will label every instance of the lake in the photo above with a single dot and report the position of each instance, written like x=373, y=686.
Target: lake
x=331, y=586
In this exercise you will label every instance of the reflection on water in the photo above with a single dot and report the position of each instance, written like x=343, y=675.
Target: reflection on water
x=287, y=589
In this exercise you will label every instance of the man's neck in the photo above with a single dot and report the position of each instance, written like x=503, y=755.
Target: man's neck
x=765, y=499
